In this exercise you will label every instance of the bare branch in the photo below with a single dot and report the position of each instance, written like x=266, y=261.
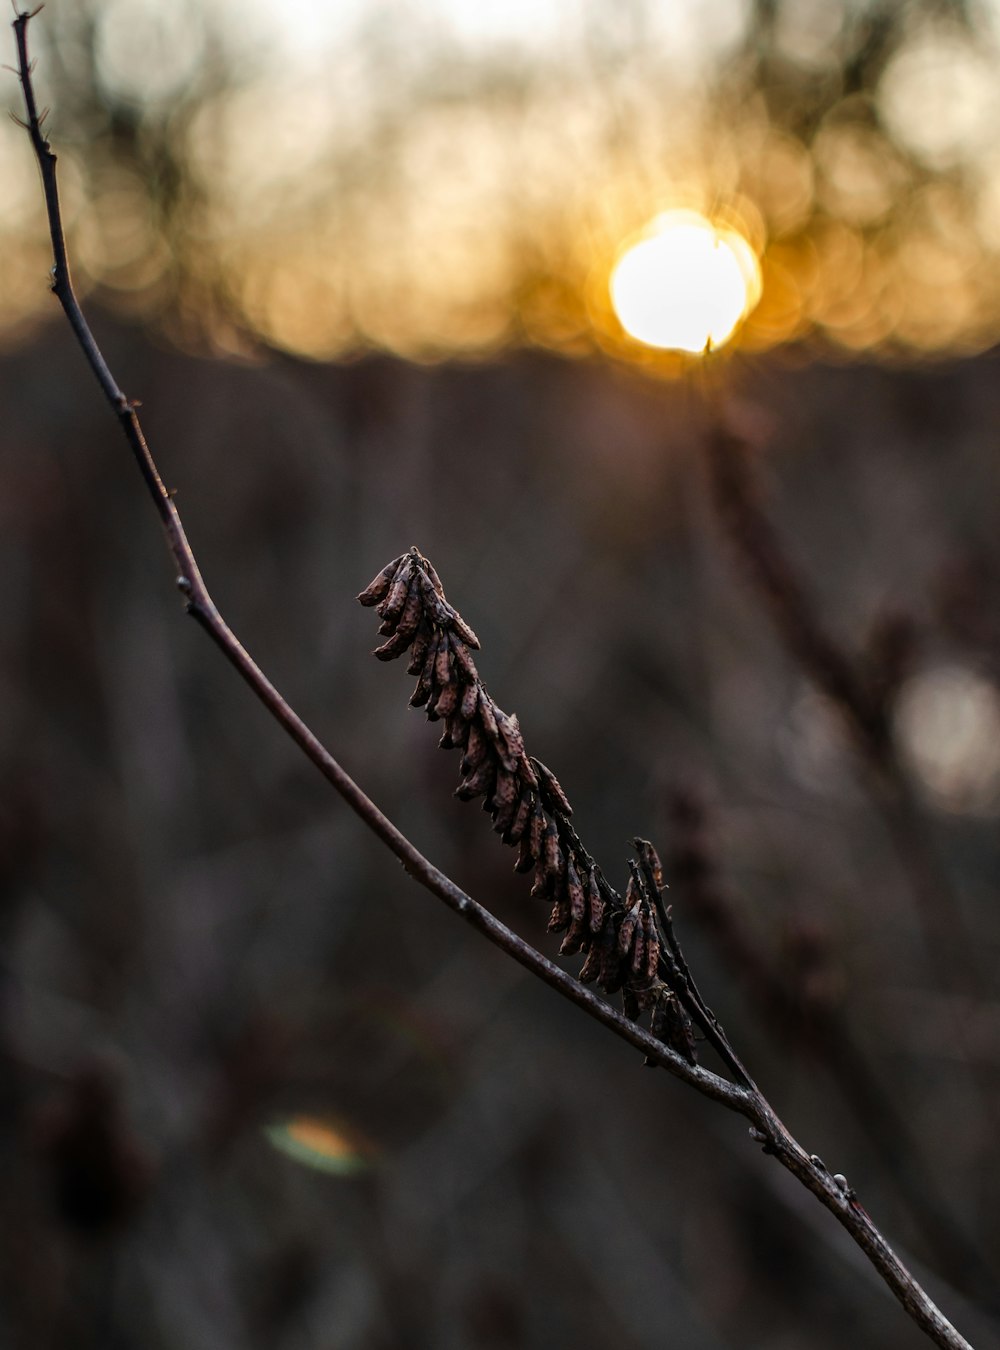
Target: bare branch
x=818, y=1027
x=201, y=607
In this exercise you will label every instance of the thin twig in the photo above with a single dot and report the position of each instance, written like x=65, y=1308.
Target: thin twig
x=831, y=1191
x=822, y=1031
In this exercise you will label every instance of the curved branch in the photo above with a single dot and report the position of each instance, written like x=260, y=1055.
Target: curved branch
x=202, y=608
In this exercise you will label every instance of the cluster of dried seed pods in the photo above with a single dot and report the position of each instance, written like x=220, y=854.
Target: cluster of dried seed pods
x=623, y=939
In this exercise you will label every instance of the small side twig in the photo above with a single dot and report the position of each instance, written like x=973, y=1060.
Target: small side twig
x=823, y=1033
x=832, y=1191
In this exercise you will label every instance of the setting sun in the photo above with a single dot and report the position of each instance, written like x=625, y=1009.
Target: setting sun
x=685, y=284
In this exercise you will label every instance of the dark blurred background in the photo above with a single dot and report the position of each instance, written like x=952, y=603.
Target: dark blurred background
x=257, y=1089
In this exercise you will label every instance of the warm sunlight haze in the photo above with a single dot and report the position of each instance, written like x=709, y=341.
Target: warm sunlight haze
x=451, y=178
x=685, y=285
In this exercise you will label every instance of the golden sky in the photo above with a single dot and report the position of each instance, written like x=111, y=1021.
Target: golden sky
x=451, y=176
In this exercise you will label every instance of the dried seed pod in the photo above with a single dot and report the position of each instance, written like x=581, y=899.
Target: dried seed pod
x=655, y=864
x=522, y=815
x=437, y=607
x=560, y=916
x=649, y=860
x=392, y=606
x=578, y=899
x=487, y=715
x=528, y=775
x=626, y=932
x=409, y=620
x=412, y=611
x=442, y=663
x=504, y=800
x=591, y=967
x=638, y=954
x=500, y=749
x=378, y=587
x=652, y=944
x=426, y=684
x=458, y=730
x=552, y=854
x=455, y=732
x=525, y=857
x=575, y=940
x=476, y=749
x=510, y=742
x=395, y=646
x=447, y=700
x=478, y=782
x=463, y=661
x=470, y=701
x=421, y=692
x=633, y=892
x=596, y=903
x=550, y=787
x=464, y=631
x=431, y=571
x=578, y=936
x=420, y=644
x=536, y=830
x=541, y=882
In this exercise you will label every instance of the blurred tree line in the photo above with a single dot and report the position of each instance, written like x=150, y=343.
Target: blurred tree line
x=438, y=191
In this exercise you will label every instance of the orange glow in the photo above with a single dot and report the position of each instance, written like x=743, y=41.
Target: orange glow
x=323, y=1144
x=373, y=213
x=685, y=285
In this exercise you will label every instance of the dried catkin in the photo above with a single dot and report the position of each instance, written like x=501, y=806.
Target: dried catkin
x=620, y=938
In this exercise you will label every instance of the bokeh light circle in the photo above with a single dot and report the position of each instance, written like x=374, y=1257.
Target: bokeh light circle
x=685, y=284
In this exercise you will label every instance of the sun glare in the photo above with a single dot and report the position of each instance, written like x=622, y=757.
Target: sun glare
x=685, y=284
